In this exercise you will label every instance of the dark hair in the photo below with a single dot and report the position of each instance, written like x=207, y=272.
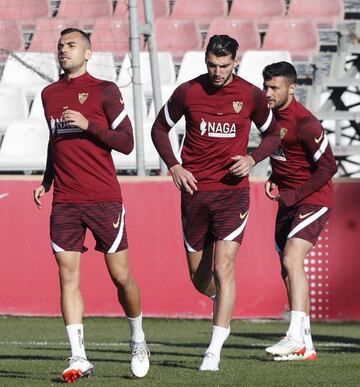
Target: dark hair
x=81, y=32
x=280, y=69
x=222, y=45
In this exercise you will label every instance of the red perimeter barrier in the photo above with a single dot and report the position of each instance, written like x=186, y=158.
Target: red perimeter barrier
x=29, y=282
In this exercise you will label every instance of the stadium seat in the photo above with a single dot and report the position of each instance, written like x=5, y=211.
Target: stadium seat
x=177, y=36
x=166, y=69
x=84, y=8
x=152, y=159
x=14, y=105
x=20, y=71
x=166, y=92
x=262, y=11
x=101, y=65
x=299, y=36
x=200, y=10
x=161, y=8
x=254, y=61
x=323, y=12
x=47, y=33
x=11, y=37
x=36, y=109
x=24, y=9
x=24, y=147
x=244, y=31
x=111, y=34
x=192, y=65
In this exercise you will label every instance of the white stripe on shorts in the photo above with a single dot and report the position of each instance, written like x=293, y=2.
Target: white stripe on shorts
x=119, y=236
x=238, y=231
x=307, y=221
x=56, y=248
x=188, y=247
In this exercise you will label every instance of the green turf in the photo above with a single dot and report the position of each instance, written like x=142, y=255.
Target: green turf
x=33, y=350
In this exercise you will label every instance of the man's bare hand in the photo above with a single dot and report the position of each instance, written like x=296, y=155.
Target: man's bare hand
x=183, y=179
x=38, y=193
x=242, y=166
x=75, y=118
x=269, y=188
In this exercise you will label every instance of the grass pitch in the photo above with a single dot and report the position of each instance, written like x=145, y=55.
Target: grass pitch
x=32, y=353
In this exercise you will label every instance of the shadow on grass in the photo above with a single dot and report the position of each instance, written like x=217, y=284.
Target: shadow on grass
x=12, y=374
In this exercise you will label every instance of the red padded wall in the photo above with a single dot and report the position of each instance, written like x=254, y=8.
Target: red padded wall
x=29, y=281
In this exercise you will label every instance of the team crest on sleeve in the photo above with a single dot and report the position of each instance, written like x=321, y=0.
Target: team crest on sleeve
x=83, y=97
x=237, y=105
x=283, y=132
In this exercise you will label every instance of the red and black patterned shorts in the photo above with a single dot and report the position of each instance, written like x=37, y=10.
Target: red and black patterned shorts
x=208, y=216
x=305, y=222
x=106, y=221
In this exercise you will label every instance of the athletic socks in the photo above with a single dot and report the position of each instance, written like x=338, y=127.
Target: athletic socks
x=137, y=333
x=296, y=325
x=307, y=333
x=219, y=335
x=75, y=333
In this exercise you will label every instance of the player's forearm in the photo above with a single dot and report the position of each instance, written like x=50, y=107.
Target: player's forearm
x=120, y=139
x=49, y=170
x=162, y=143
x=320, y=177
x=268, y=145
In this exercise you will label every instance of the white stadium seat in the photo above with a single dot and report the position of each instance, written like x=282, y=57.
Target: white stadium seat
x=166, y=70
x=21, y=73
x=254, y=61
x=13, y=104
x=24, y=147
x=102, y=65
x=192, y=65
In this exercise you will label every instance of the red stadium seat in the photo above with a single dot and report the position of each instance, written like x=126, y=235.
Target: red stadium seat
x=200, y=10
x=47, y=33
x=110, y=34
x=324, y=12
x=177, y=36
x=84, y=8
x=244, y=31
x=262, y=11
x=24, y=9
x=298, y=36
x=11, y=37
x=161, y=8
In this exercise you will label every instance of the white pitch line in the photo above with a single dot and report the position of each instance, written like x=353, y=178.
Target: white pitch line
x=45, y=343
x=126, y=344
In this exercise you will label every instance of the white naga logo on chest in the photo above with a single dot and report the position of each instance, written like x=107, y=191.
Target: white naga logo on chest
x=60, y=126
x=217, y=129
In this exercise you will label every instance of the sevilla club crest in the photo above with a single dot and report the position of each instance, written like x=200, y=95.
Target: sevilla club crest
x=237, y=105
x=283, y=132
x=83, y=97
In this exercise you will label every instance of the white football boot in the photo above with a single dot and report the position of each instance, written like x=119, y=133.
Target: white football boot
x=78, y=368
x=139, y=359
x=209, y=363
x=287, y=346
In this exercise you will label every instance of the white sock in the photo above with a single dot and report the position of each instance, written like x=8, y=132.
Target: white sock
x=219, y=335
x=296, y=325
x=307, y=333
x=137, y=333
x=75, y=333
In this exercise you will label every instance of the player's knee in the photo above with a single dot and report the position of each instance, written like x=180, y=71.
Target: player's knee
x=122, y=278
x=69, y=275
x=197, y=282
x=225, y=271
x=289, y=265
